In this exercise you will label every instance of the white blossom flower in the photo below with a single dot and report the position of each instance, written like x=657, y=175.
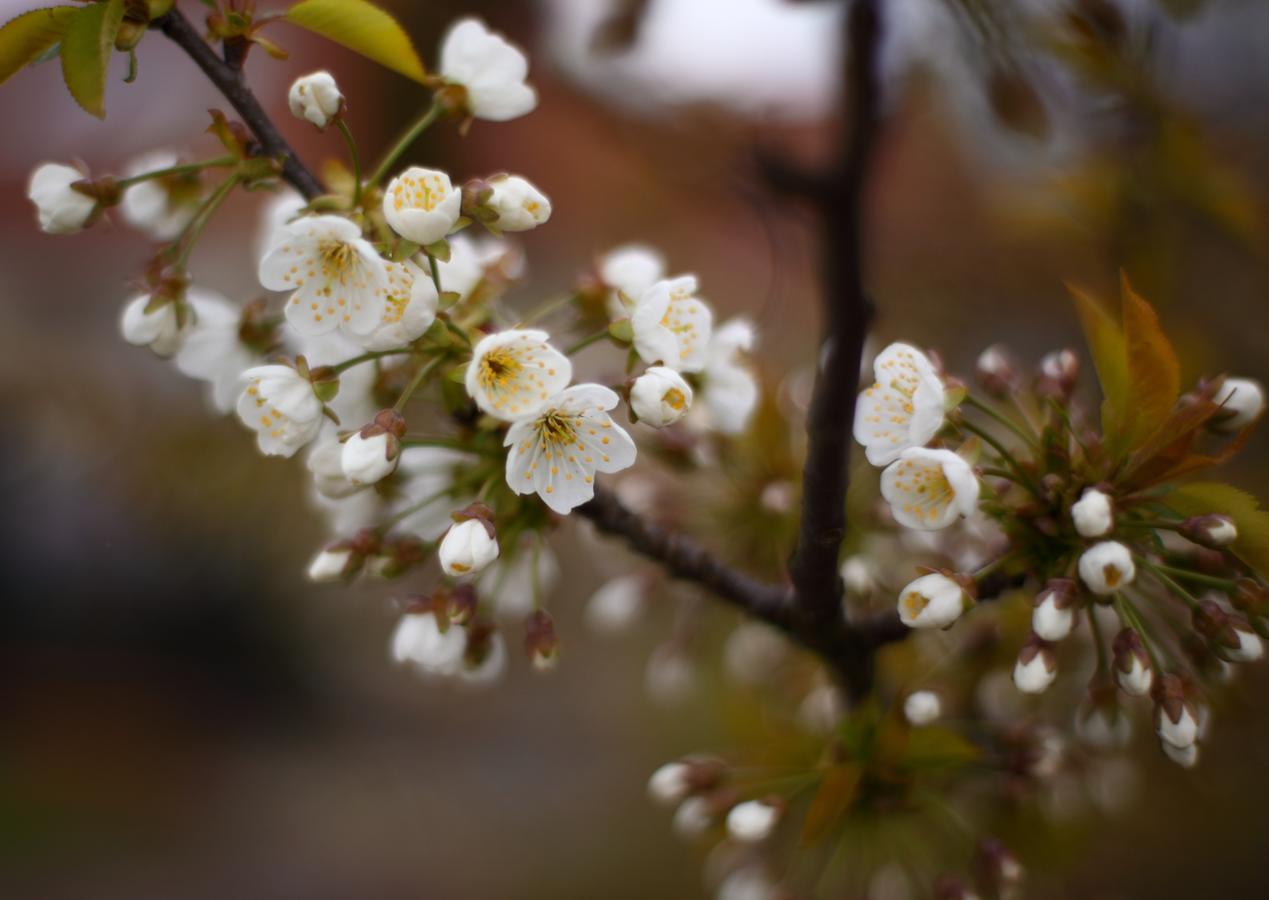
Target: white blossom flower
x=752, y=821
x=748, y=883
x=693, y=817
x=1093, y=514
x=557, y=452
x=474, y=261
x=279, y=211
x=325, y=462
x=670, y=783
x=422, y=205
x=670, y=677
x=338, y=279
x=514, y=373
x=1137, y=679
x=660, y=397
x=1242, y=401
x=331, y=564
x=729, y=391
x=904, y=407
x=857, y=575
x=520, y=205
x=753, y=652
x=409, y=308
x=315, y=98
x=213, y=350
x=369, y=458
x=163, y=329
x=821, y=710
x=616, y=605
x=1103, y=726
x=1107, y=567
x=61, y=208
x=1212, y=530
x=1035, y=670
x=922, y=708
x=422, y=484
x=151, y=206
x=672, y=326
x=1249, y=649
x=520, y=579
x=467, y=548
x=931, y=601
x=419, y=639
x=1186, y=757
x=627, y=271
x=280, y=406
x=929, y=489
x=490, y=69
x=1180, y=732
x=1054, y=614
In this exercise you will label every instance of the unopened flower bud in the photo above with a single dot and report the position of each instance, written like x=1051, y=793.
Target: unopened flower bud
x=430, y=642
x=316, y=98
x=1213, y=531
x=541, y=642
x=1093, y=514
x=1242, y=401
x=1174, y=718
x=372, y=454
x=468, y=547
x=922, y=708
x=1185, y=757
x=1055, y=609
x=660, y=397
x=670, y=783
x=396, y=557
x=58, y=193
x=157, y=322
x=519, y=205
x=693, y=817
x=1107, y=567
x=1100, y=722
x=342, y=559
x=1250, y=648
x=857, y=576
x=996, y=870
x=754, y=820
x=996, y=371
x=1036, y=667
x=1059, y=371
x=1132, y=664
x=932, y=601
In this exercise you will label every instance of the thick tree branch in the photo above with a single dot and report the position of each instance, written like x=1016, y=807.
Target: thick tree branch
x=847, y=314
x=231, y=82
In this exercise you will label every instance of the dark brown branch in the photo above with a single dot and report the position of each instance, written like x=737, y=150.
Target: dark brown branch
x=847, y=314
x=230, y=81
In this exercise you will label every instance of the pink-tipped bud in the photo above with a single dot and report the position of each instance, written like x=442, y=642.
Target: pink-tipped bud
x=540, y=640
x=1213, y=531
x=1132, y=664
x=996, y=371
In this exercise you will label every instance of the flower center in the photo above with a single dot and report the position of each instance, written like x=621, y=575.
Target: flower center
x=915, y=602
x=556, y=428
x=674, y=399
x=336, y=256
x=418, y=193
x=1112, y=574
x=498, y=367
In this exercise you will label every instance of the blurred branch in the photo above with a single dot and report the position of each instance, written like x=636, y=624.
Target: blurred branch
x=231, y=82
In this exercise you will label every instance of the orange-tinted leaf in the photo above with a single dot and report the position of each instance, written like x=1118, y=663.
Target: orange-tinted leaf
x=1110, y=358
x=1154, y=376
x=835, y=795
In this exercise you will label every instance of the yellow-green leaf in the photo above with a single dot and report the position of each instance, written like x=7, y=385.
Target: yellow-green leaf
x=1154, y=376
x=362, y=27
x=25, y=39
x=1110, y=358
x=86, y=51
x=835, y=795
x=1201, y=498
x=938, y=748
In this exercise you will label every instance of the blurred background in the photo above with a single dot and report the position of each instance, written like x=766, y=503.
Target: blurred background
x=183, y=716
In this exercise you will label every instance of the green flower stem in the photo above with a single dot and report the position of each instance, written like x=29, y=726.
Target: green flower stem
x=1027, y=481
x=1161, y=573
x=1027, y=439
x=403, y=144
x=456, y=330
x=189, y=236
x=1130, y=614
x=419, y=377
x=355, y=157
x=546, y=309
x=183, y=169
x=347, y=364
x=1196, y=577
x=436, y=272
x=586, y=342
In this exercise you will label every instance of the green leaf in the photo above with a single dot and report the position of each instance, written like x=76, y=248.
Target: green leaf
x=937, y=748
x=1202, y=498
x=27, y=38
x=835, y=795
x=86, y=51
x=1110, y=358
x=1154, y=376
x=362, y=27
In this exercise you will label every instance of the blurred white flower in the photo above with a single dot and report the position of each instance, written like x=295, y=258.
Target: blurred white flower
x=748, y=883
x=419, y=639
x=627, y=271
x=520, y=205
x=280, y=406
x=616, y=605
x=670, y=783
x=467, y=548
x=162, y=329
x=922, y=708
x=422, y=500
x=660, y=397
x=338, y=278
x=1036, y=669
x=1186, y=757
x=929, y=489
x=490, y=69
x=151, y=206
x=315, y=98
x=213, y=350
x=752, y=821
x=672, y=326
x=931, y=601
x=422, y=205
x=670, y=676
x=729, y=389
x=557, y=451
x=904, y=407
x=331, y=564
x=61, y=208
x=279, y=211
x=1093, y=514
x=753, y=652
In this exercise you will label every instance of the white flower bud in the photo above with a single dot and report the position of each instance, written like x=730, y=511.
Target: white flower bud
x=467, y=547
x=616, y=605
x=1051, y=621
x=922, y=708
x=62, y=209
x=1180, y=732
x=1107, y=567
x=1093, y=514
x=670, y=783
x=422, y=205
x=520, y=205
x=1242, y=401
x=752, y=821
x=1222, y=532
x=316, y=98
x=1103, y=726
x=491, y=70
x=420, y=640
x=1137, y=679
x=628, y=271
x=490, y=666
x=753, y=652
x=931, y=601
x=660, y=397
x=1185, y=757
x=857, y=575
x=161, y=329
x=366, y=460
x=1249, y=648
x=1035, y=669
x=749, y=883
x=693, y=817
x=670, y=677
x=152, y=206
x=332, y=564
